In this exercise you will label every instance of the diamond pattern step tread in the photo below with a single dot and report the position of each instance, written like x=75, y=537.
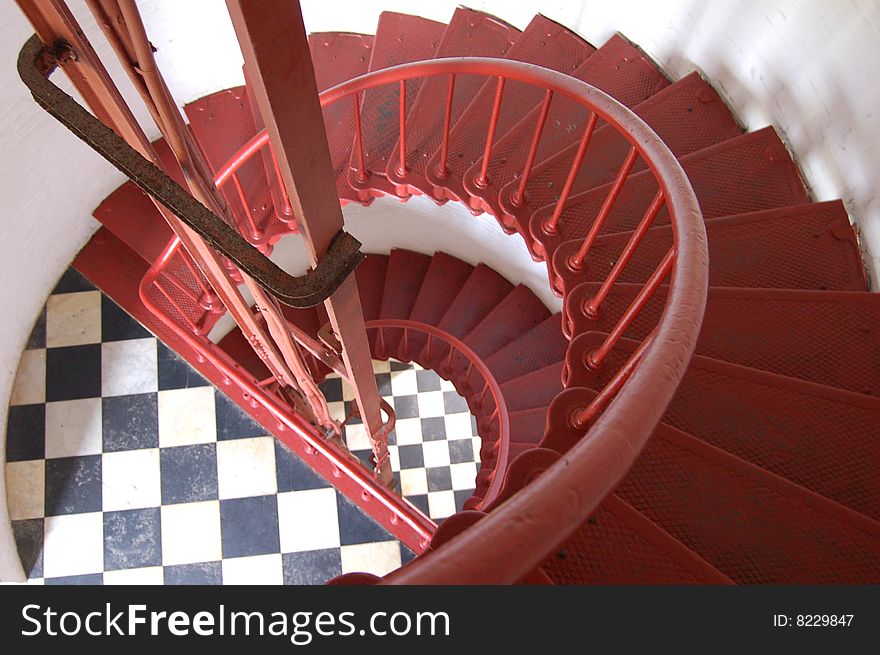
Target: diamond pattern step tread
x=543, y=43
x=617, y=68
x=745, y=174
x=535, y=389
x=822, y=438
x=469, y=34
x=400, y=39
x=747, y=522
x=687, y=115
x=338, y=57
x=800, y=247
x=403, y=280
x=619, y=545
x=827, y=337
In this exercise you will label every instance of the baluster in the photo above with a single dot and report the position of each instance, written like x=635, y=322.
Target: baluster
x=550, y=225
x=519, y=197
x=442, y=170
x=483, y=180
x=361, y=174
x=577, y=262
x=251, y=225
x=591, y=308
x=401, y=169
x=596, y=358
x=287, y=210
x=428, y=347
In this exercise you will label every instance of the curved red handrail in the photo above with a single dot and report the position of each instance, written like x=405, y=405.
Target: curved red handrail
x=512, y=540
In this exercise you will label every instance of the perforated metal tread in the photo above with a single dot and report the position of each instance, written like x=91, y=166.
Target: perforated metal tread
x=544, y=43
x=801, y=247
x=469, y=34
x=748, y=173
x=822, y=438
x=618, y=68
x=403, y=280
x=338, y=57
x=827, y=337
x=400, y=39
x=618, y=545
x=535, y=349
x=754, y=526
x=534, y=389
x=370, y=276
x=687, y=115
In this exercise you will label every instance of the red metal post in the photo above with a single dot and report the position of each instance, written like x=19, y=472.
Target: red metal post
x=278, y=64
x=553, y=221
x=483, y=180
x=442, y=171
x=401, y=169
x=520, y=197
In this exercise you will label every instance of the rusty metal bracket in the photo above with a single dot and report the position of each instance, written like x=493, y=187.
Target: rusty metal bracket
x=36, y=62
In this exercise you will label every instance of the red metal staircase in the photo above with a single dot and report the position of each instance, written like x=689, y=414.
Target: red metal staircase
x=764, y=466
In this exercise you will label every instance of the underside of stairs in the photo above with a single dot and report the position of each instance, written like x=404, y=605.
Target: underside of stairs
x=764, y=468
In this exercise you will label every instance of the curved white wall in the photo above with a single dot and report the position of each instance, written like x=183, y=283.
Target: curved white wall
x=809, y=67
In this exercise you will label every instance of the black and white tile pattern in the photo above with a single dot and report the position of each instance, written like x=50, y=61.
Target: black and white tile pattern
x=124, y=466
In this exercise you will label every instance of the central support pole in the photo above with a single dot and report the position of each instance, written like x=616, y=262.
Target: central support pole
x=275, y=47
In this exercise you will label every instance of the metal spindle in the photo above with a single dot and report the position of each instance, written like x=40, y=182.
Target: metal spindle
x=287, y=210
x=591, y=308
x=595, y=359
x=251, y=225
x=577, y=262
x=553, y=221
x=401, y=168
x=442, y=170
x=361, y=174
x=519, y=197
x=483, y=180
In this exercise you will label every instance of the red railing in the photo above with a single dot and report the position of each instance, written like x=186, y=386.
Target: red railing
x=616, y=423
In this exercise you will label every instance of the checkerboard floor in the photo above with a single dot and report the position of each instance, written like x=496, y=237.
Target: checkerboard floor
x=124, y=466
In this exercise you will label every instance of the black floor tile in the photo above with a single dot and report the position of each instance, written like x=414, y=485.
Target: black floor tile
x=314, y=567
x=73, y=372
x=26, y=432
x=189, y=473
x=203, y=573
x=249, y=526
x=427, y=381
x=29, y=540
x=433, y=428
x=293, y=474
x=130, y=422
x=175, y=373
x=37, y=337
x=439, y=478
x=355, y=527
x=132, y=539
x=71, y=282
x=453, y=403
x=411, y=456
x=117, y=325
x=73, y=485
x=460, y=451
x=406, y=406
x=332, y=390
x=232, y=422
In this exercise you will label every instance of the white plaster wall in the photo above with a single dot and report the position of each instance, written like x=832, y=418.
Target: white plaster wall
x=809, y=67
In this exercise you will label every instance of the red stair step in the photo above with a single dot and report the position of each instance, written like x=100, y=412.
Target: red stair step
x=747, y=522
x=822, y=438
x=745, y=174
x=800, y=247
x=483, y=290
x=445, y=277
x=400, y=39
x=338, y=57
x=827, y=337
x=370, y=276
x=469, y=34
x=541, y=346
x=403, y=279
x=618, y=68
x=687, y=115
x=535, y=389
x=527, y=425
x=619, y=545
x=544, y=43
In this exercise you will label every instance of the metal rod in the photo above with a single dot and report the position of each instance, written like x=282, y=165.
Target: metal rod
x=442, y=170
x=578, y=260
x=553, y=221
x=591, y=308
x=519, y=197
x=401, y=168
x=483, y=180
x=598, y=356
x=361, y=173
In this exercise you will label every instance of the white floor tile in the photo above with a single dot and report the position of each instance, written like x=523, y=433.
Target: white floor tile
x=308, y=520
x=25, y=489
x=356, y=437
x=73, y=428
x=347, y=391
x=73, y=545
x=458, y=426
x=186, y=417
x=381, y=365
x=129, y=367
x=403, y=383
x=337, y=410
x=378, y=558
x=191, y=533
x=436, y=453
x=431, y=404
x=408, y=431
x=131, y=479
x=394, y=455
x=463, y=475
x=413, y=482
x=246, y=467
x=477, y=444
x=446, y=385
x=258, y=569
x=441, y=504
x=150, y=575
x=30, y=380
x=73, y=319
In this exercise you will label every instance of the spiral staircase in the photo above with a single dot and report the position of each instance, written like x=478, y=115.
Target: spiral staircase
x=763, y=468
